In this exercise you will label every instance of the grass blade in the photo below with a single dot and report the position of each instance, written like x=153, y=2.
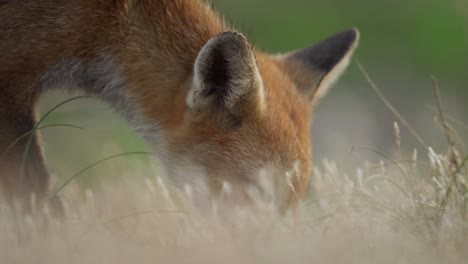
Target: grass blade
x=388, y=104
x=28, y=144
x=59, y=189
x=12, y=144
x=398, y=164
x=58, y=106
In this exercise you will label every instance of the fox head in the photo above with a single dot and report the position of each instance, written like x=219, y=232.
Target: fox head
x=246, y=118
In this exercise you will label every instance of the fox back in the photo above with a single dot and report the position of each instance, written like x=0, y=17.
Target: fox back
x=220, y=114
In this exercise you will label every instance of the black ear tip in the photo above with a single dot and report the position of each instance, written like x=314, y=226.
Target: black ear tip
x=350, y=36
x=355, y=32
x=328, y=53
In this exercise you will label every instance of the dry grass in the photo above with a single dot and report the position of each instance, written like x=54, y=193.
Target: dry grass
x=407, y=208
x=398, y=211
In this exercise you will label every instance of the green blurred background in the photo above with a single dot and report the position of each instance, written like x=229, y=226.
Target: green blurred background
x=403, y=44
x=428, y=35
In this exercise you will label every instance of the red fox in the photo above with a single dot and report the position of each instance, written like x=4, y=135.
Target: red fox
x=214, y=109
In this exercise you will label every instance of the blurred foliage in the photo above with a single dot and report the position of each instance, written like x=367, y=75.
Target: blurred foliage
x=106, y=134
x=427, y=35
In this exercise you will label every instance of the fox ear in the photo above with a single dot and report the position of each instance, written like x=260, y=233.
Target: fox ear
x=226, y=76
x=316, y=68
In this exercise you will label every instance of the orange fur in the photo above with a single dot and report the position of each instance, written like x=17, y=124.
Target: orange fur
x=147, y=49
